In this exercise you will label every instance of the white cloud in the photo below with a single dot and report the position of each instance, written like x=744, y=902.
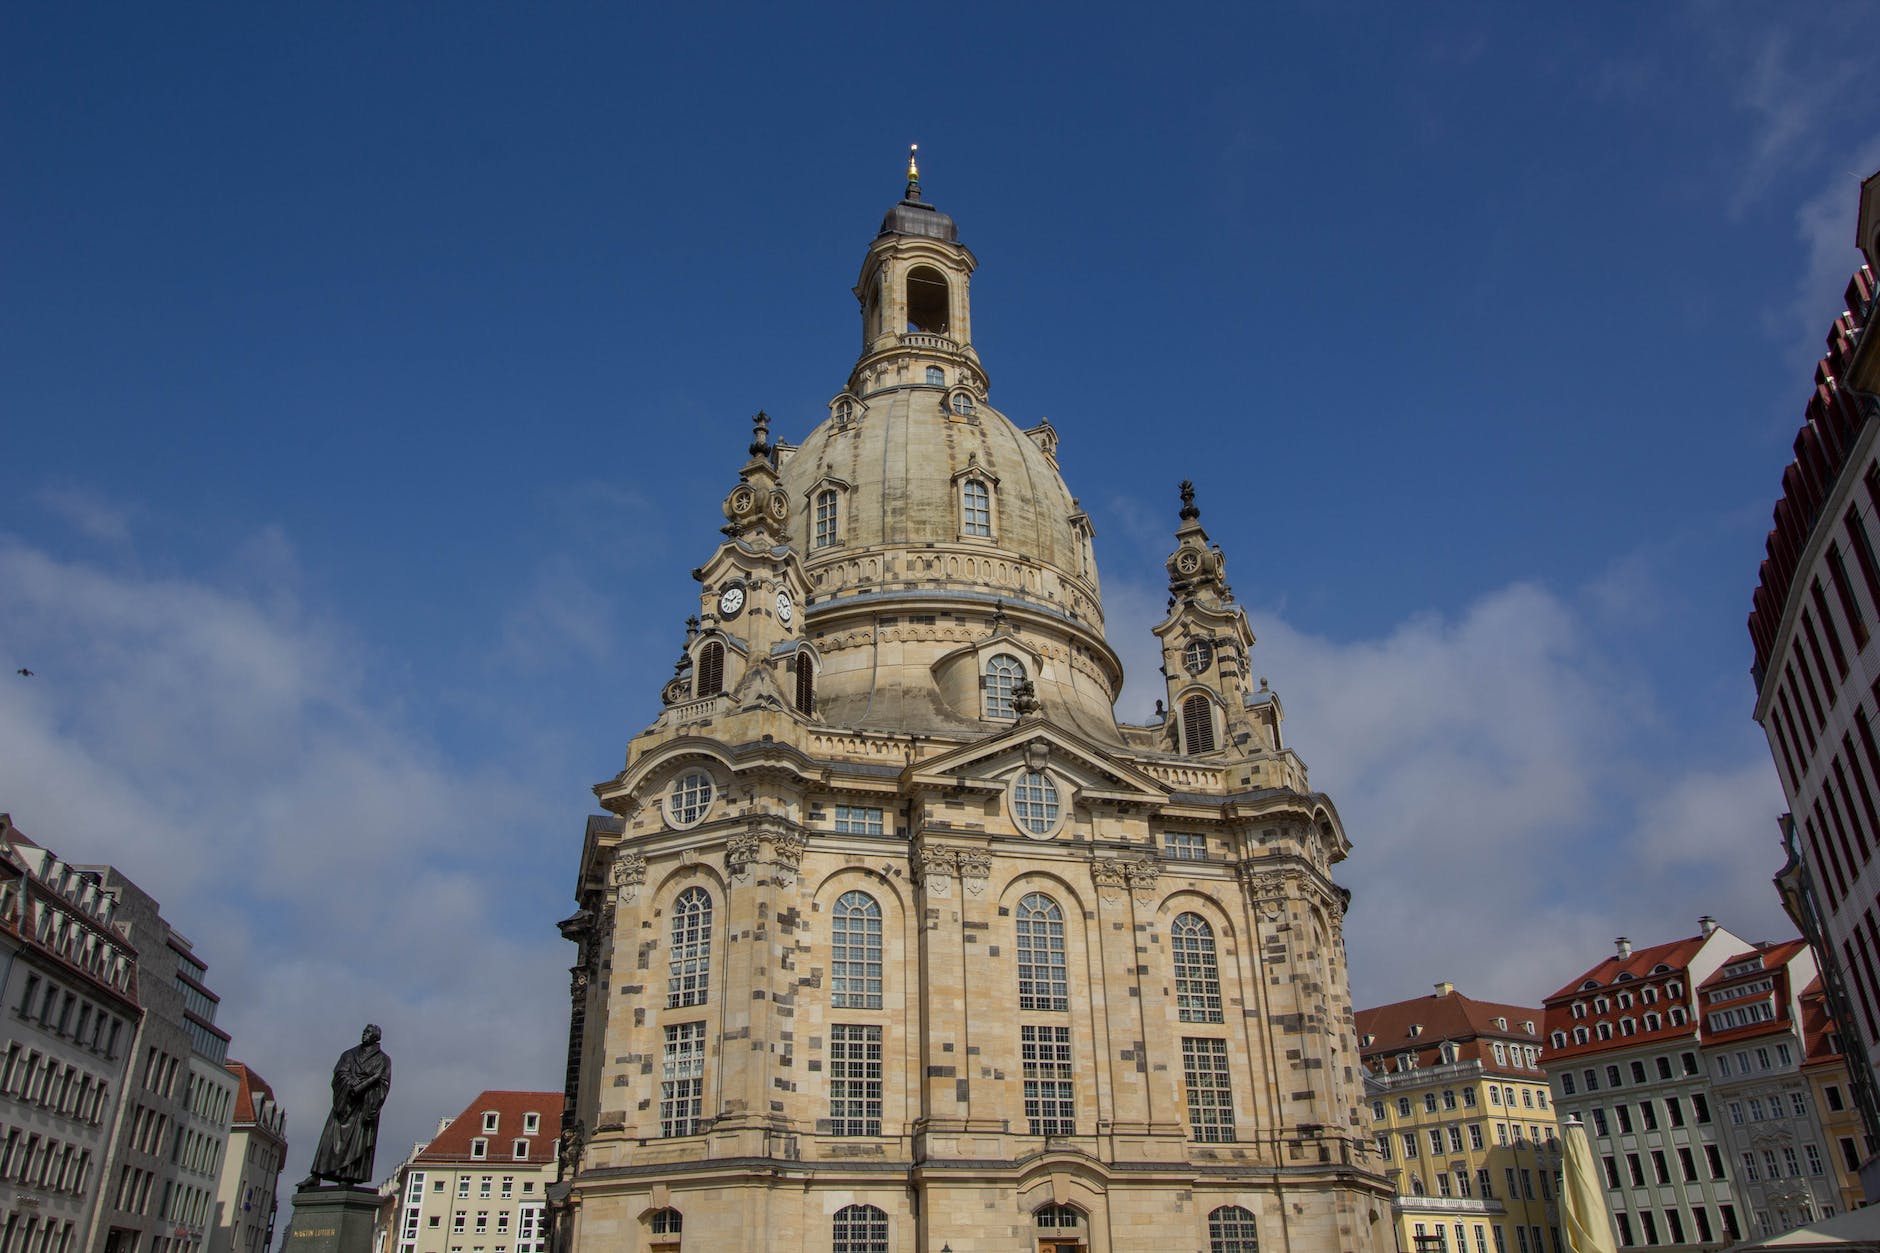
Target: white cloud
x=224, y=749
x=89, y=513
x=1513, y=801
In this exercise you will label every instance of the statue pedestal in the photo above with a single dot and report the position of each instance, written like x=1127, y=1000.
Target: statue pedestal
x=332, y=1219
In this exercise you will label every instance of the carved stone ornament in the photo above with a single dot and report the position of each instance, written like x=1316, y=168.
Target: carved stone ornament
x=1265, y=888
x=1111, y=877
x=975, y=870
x=740, y=852
x=676, y=692
x=1143, y=874
x=627, y=876
x=786, y=853
x=934, y=868
x=577, y=982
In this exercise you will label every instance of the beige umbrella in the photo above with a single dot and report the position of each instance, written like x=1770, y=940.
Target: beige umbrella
x=1589, y=1225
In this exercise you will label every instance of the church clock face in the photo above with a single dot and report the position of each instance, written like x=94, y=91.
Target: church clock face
x=785, y=610
x=731, y=601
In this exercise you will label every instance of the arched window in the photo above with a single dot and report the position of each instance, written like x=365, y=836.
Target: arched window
x=1041, y=979
x=1003, y=673
x=1231, y=1230
x=1198, y=724
x=1035, y=802
x=962, y=404
x=1677, y=1015
x=1627, y=1026
x=936, y=377
x=855, y=952
x=861, y=1229
x=927, y=300
x=1197, y=975
x=805, y=683
x=689, y=980
x=1560, y=1039
x=975, y=509
x=1653, y=1020
x=825, y=518
x=711, y=670
x=1603, y=1030
x=1579, y=1035
x=667, y=1222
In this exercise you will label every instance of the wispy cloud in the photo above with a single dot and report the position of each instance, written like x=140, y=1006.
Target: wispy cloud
x=88, y=512
x=330, y=863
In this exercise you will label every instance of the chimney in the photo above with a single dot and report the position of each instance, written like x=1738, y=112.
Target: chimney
x=1624, y=946
x=1706, y=924
x=1445, y=988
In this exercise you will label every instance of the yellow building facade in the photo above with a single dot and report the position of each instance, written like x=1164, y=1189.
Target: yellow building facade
x=1463, y=1121
x=893, y=936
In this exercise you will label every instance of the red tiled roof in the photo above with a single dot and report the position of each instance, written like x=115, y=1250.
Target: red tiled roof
x=248, y=1084
x=453, y=1143
x=1448, y=1017
x=1774, y=956
x=1676, y=954
x=1634, y=973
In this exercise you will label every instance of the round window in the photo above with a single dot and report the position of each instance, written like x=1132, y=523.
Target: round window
x=1035, y=803
x=690, y=799
x=1197, y=656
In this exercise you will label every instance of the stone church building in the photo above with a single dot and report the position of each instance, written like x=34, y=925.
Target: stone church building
x=894, y=937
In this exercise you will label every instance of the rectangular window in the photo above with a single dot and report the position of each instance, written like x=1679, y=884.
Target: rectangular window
x=1625, y=1118
x=1636, y=1169
x=1046, y=1056
x=1700, y=1107
x=1210, y=1093
x=483, y=1187
x=479, y=1148
x=1713, y=1159
x=1409, y=1144
x=1184, y=846
x=858, y=820
x=1648, y=1115
x=1475, y=1136
x=1675, y=1109
x=854, y=1080
x=1661, y=1169
x=1687, y=1163
x=1814, y=1158
x=825, y=519
x=1436, y=1141
x=682, y=1087
x=1455, y=1138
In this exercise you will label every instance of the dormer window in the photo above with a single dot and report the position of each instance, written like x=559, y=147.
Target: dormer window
x=844, y=411
x=490, y=1120
x=975, y=509
x=1004, y=672
x=519, y=1150
x=531, y=1124
x=936, y=377
x=961, y=404
x=827, y=518
x=479, y=1148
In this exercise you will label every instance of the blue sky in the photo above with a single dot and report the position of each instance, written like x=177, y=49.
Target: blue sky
x=372, y=375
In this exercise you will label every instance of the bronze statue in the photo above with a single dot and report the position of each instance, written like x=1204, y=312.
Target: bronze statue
x=362, y=1078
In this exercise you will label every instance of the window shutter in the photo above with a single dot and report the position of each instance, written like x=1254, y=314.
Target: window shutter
x=1198, y=724
x=711, y=670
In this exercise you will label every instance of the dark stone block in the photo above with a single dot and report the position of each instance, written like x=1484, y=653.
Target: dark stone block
x=332, y=1220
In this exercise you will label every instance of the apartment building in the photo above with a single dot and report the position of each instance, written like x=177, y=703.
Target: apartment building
x=251, y=1169
x=1462, y=1116
x=70, y=1013
x=481, y=1184
x=1625, y=1057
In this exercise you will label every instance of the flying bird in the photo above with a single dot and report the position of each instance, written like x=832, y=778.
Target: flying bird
x=24, y=673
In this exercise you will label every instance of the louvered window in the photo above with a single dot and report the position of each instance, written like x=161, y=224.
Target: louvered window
x=805, y=684
x=711, y=670
x=1198, y=724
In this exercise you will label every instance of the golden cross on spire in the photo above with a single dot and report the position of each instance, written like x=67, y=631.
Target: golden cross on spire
x=913, y=172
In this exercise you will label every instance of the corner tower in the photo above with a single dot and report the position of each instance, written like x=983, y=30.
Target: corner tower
x=892, y=936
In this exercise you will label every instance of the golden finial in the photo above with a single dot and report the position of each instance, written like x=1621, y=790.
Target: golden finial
x=913, y=172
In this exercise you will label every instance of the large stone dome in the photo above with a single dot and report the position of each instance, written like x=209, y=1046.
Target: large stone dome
x=900, y=463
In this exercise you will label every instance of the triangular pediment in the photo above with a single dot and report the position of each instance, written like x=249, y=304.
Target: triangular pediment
x=1095, y=771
